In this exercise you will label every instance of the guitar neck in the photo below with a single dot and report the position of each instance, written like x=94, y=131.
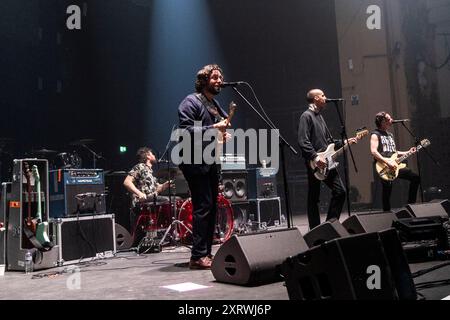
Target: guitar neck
x=339, y=151
x=39, y=205
x=407, y=155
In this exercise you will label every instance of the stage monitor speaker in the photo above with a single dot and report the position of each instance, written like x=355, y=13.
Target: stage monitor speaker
x=445, y=203
x=352, y=268
x=124, y=240
x=254, y=259
x=428, y=209
x=370, y=222
x=235, y=185
x=326, y=231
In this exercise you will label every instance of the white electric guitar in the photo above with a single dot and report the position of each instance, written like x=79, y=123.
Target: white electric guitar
x=329, y=156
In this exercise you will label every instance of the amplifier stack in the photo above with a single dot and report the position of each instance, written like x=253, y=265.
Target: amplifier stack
x=253, y=196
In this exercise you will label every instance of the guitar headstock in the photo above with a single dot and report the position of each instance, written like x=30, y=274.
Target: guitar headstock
x=232, y=108
x=35, y=172
x=26, y=169
x=361, y=132
x=424, y=143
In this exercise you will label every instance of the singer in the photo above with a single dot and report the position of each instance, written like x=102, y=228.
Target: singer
x=142, y=185
x=203, y=178
x=314, y=137
x=382, y=147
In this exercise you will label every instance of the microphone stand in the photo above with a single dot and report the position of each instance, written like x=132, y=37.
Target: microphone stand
x=94, y=154
x=416, y=143
x=346, y=174
x=283, y=143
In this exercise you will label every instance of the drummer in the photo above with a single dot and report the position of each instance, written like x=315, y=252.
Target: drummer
x=141, y=182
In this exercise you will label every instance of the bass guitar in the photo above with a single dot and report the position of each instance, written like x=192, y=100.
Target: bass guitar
x=389, y=174
x=330, y=155
x=41, y=226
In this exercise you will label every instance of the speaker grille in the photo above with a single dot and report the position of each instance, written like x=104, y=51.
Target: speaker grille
x=235, y=185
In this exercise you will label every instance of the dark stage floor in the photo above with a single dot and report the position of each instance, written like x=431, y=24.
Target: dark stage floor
x=129, y=276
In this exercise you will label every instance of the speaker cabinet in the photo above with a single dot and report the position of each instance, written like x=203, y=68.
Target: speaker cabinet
x=326, y=231
x=351, y=268
x=370, y=222
x=254, y=259
x=235, y=185
x=429, y=209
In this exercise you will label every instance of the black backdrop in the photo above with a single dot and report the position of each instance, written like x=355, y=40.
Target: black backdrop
x=60, y=85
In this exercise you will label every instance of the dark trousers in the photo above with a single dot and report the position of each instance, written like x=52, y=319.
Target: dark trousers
x=386, y=187
x=334, y=182
x=204, y=190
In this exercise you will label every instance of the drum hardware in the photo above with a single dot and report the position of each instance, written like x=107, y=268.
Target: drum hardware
x=154, y=218
x=84, y=144
x=67, y=160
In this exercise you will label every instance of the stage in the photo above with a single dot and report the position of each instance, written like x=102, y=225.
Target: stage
x=129, y=276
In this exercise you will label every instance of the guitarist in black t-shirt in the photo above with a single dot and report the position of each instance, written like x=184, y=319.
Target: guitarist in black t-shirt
x=382, y=147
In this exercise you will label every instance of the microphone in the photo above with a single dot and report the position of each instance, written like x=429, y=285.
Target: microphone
x=333, y=100
x=400, y=121
x=231, y=84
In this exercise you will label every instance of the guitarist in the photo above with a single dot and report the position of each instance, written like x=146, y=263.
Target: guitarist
x=199, y=112
x=314, y=137
x=382, y=146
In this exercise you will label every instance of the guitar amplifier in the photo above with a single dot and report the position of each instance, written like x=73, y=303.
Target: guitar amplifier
x=84, y=237
x=76, y=191
x=262, y=183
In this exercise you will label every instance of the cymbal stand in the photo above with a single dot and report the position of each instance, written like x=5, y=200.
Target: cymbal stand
x=175, y=221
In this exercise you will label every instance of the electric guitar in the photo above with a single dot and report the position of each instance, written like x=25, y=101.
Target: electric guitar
x=329, y=156
x=41, y=226
x=29, y=221
x=389, y=174
x=220, y=137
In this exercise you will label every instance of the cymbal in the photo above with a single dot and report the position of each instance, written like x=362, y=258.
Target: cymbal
x=44, y=151
x=82, y=142
x=169, y=173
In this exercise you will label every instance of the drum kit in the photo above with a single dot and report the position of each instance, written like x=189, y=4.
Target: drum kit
x=67, y=159
x=168, y=220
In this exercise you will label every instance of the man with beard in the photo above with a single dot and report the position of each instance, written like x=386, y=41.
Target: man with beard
x=199, y=112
